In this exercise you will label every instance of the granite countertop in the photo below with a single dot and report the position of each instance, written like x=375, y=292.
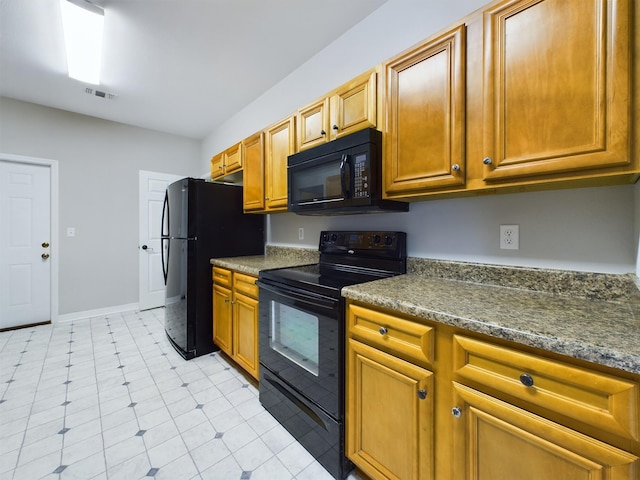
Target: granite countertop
x=274, y=257
x=588, y=316
x=600, y=326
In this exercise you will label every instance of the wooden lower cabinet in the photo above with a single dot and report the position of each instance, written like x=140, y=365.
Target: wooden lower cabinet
x=235, y=317
x=245, y=332
x=222, y=318
x=495, y=440
x=390, y=413
x=492, y=409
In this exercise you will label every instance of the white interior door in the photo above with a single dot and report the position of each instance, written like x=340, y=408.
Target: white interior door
x=153, y=186
x=25, y=244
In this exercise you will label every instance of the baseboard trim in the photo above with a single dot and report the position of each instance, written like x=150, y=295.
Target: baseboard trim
x=99, y=312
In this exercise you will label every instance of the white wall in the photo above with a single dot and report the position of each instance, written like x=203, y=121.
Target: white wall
x=590, y=229
x=585, y=229
x=98, y=193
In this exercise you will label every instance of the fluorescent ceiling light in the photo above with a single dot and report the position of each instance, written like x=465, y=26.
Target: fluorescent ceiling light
x=83, y=23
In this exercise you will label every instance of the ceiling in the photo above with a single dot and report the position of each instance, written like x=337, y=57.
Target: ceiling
x=177, y=66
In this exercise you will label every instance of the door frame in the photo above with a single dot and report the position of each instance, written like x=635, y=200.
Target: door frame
x=53, y=206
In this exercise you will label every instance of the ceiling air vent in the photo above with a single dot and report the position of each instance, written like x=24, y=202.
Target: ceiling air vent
x=99, y=93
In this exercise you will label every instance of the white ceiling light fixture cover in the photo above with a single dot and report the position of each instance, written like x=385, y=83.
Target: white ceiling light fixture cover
x=83, y=24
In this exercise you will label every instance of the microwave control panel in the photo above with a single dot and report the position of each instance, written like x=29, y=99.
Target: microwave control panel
x=361, y=188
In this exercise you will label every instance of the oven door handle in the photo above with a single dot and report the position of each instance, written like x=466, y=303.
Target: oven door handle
x=306, y=297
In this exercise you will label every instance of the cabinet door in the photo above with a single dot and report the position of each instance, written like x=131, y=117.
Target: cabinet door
x=313, y=124
x=556, y=87
x=217, y=165
x=245, y=333
x=222, y=331
x=389, y=415
x=425, y=93
x=280, y=143
x=494, y=440
x=354, y=106
x=253, y=173
x=233, y=159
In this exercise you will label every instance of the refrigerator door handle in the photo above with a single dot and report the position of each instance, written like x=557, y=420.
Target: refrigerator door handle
x=165, y=263
x=164, y=237
x=165, y=214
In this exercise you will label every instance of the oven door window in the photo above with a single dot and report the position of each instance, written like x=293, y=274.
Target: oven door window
x=294, y=335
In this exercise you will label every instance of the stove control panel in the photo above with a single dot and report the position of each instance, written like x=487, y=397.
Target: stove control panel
x=364, y=242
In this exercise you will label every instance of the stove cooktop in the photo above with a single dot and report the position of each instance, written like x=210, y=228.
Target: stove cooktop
x=310, y=278
x=346, y=258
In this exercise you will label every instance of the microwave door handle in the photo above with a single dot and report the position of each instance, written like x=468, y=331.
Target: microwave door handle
x=345, y=175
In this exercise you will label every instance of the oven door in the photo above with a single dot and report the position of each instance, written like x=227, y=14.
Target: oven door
x=302, y=342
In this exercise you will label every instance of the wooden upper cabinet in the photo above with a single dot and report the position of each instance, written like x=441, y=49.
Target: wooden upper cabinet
x=279, y=144
x=347, y=109
x=354, y=106
x=313, y=124
x=425, y=110
x=233, y=158
x=217, y=165
x=557, y=86
x=227, y=162
x=253, y=175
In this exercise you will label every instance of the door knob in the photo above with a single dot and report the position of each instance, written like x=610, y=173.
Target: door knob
x=45, y=256
x=45, y=245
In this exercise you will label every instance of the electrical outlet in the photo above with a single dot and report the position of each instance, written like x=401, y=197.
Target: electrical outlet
x=300, y=233
x=510, y=237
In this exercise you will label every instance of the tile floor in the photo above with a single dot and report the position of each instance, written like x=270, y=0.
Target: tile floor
x=109, y=398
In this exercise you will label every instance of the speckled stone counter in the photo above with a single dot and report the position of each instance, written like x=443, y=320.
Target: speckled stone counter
x=593, y=317
x=274, y=257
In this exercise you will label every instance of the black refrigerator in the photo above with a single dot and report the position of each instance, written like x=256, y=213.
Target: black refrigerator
x=200, y=221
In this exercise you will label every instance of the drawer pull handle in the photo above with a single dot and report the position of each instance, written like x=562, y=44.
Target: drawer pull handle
x=456, y=412
x=383, y=330
x=422, y=394
x=526, y=379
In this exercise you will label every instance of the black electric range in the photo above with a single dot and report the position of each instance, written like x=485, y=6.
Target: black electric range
x=302, y=336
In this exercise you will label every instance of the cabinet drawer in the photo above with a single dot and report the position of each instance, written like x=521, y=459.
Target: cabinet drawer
x=396, y=335
x=222, y=277
x=245, y=284
x=595, y=398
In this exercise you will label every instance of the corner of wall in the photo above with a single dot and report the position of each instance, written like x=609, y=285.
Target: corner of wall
x=636, y=221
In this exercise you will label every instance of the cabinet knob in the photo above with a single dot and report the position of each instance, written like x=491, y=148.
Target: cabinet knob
x=422, y=394
x=335, y=127
x=322, y=132
x=487, y=161
x=45, y=244
x=456, y=412
x=45, y=256
x=383, y=330
x=226, y=300
x=526, y=379
x=455, y=167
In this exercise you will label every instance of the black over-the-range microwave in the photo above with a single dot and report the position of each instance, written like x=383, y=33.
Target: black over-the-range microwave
x=343, y=176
